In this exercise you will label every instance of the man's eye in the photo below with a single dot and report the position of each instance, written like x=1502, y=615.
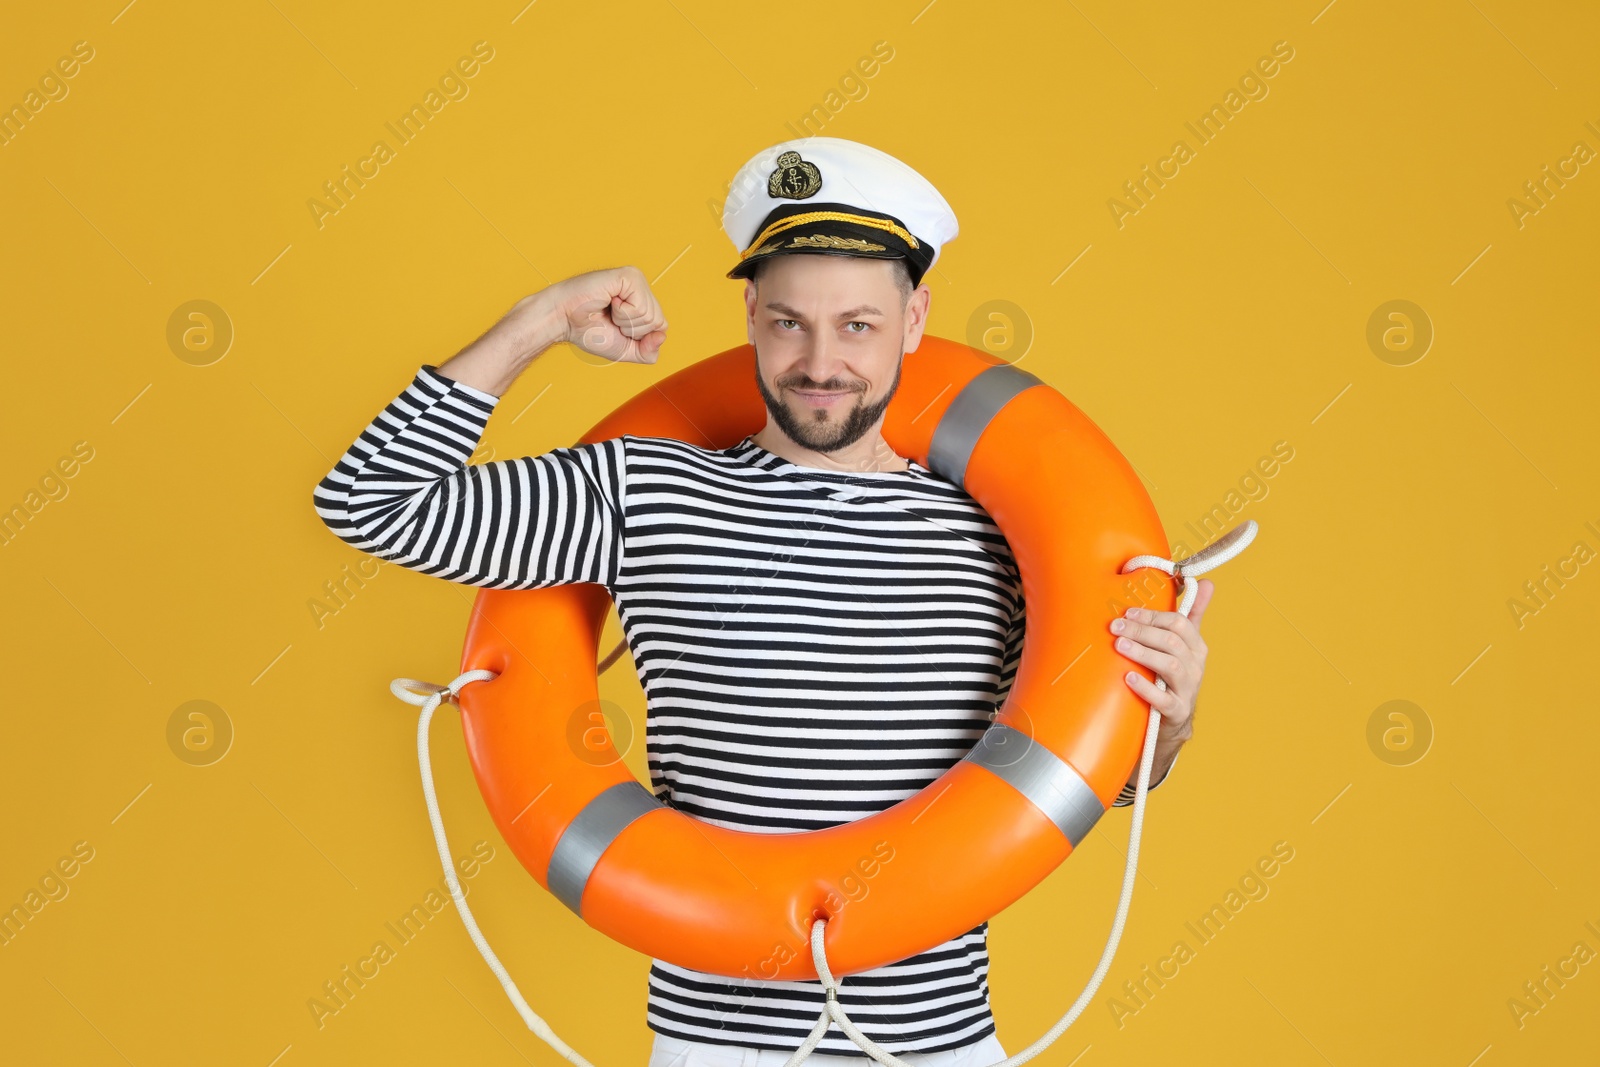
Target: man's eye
x=782, y=321
x=868, y=325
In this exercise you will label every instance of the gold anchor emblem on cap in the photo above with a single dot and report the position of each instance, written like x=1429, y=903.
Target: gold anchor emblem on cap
x=793, y=178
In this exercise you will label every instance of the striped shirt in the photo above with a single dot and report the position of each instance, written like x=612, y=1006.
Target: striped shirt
x=814, y=646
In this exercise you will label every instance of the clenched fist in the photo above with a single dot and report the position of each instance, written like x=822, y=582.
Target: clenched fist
x=611, y=313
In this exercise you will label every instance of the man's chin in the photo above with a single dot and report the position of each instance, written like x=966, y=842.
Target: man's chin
x=824, y=447
x=819, y=436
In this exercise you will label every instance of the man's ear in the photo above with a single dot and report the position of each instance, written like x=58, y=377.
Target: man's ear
x=750, y=310
x=917, y=316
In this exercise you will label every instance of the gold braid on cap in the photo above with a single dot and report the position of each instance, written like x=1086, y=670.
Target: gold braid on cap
x=837, y=216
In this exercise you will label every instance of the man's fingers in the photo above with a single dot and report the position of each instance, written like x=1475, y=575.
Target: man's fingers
x=1149, y=623
x=639, y=325
x=1158, y=637
x=1163, y=700
x=634, y=307
x=650, y=344
x=636, y=322
x=1202, y=596
x=612, y=313
x=1163, y=663
x=646, y=349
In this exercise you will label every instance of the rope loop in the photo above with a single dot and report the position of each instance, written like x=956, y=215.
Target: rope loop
x=1189, y=568
x=419, y=693
x=428, y=696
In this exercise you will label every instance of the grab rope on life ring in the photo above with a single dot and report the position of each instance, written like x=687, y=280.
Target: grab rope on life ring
x=604, y=835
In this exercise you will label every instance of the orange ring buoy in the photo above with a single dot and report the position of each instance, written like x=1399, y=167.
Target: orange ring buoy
x=741, y=904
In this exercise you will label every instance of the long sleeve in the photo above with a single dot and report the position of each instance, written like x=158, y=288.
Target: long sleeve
x=1126, y=797
x=1008, y=673
x=404, y=491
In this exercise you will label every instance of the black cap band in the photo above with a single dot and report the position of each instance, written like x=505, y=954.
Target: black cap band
x=839, y=229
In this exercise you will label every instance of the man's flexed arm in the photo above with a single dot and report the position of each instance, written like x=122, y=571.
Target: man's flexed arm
x=404, y=490
x=609, y=313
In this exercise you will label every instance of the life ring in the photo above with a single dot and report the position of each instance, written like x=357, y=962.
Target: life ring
x=742, y=904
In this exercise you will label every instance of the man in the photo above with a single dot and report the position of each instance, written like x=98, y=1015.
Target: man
x=821, y=627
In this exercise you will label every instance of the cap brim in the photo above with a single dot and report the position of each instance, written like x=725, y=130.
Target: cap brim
x=834, y=236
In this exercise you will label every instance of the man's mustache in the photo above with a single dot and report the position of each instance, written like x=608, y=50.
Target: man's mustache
x=813, y=387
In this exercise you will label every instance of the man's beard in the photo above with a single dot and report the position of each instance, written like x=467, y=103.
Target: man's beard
x=832, y=434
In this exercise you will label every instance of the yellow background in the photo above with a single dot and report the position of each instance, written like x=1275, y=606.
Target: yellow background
x=1228, y=314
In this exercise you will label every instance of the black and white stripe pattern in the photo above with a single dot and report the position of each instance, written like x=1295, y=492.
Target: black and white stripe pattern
x=814, y=647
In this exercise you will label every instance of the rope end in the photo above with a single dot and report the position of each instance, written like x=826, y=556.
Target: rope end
x=419, y=693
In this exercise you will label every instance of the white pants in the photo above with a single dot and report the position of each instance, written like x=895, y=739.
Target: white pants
x=675, y=1052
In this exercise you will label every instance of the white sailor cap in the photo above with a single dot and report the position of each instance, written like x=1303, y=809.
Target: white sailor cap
x=824, y=194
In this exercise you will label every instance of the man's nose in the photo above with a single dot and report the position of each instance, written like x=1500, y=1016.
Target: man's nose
x=821, y=361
